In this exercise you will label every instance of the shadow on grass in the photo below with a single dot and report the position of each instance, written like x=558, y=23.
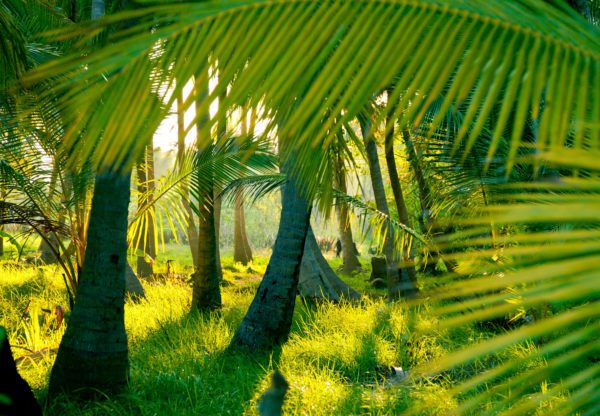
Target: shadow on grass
x=185, y=368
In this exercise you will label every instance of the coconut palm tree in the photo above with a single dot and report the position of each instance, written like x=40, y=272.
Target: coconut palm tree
x=269, y=318
x=526, y=59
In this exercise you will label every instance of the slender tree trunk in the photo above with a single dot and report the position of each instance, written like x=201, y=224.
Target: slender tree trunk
x=408, y=273
x=146, y=244
x=269, y=318
x=192, y=231
x=393, y=275
x=218, y=201
x=424, y=190
x=317, y=279
x=350, y=260
x=206, y=294
x=218, y=204
x=241, y=247
x=426, y=221
x=93, y=355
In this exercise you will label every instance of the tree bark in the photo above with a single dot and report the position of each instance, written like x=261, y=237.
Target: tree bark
x=424, y=190
x=146, y=244
x=192, y=231
x=393, y=275
x=350, y=260
x=206, y=290
x=218, y=204
x=12, y=386
x=241, y=247
x=317, y=279
x=93, y=355
x=407, y=270
x=269, y=318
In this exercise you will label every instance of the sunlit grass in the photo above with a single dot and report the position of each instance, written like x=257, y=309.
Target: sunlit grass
x=338, y=360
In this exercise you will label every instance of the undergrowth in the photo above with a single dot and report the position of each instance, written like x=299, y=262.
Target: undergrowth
x=339, y=359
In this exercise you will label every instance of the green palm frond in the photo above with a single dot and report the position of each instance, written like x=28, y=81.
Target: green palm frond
x=315, y=66
x=254, y=187
x=337, y=56
x=218, y=165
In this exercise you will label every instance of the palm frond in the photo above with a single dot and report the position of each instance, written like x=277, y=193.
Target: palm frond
x=217, y=165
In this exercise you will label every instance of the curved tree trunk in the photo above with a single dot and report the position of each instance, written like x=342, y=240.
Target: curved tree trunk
x=407, y=271
x=93, y=355
x=241, y=247
x=317, y=279
x=269, y=318
x=350, y=260
x=393, y=275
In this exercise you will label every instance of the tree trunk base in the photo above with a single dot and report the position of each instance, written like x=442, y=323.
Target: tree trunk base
x=317, y=279
x=16, y=397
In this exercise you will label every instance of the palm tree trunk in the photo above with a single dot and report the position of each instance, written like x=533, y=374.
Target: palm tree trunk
x=408, y=273
x=12, y=386
x=192, y=231
x=206, y=293
x=218, y=204
x=393, y=275
x=269, y=318
x=350, y=260
x=241, y=247
x=317, y=279
x=93, y=355
x=424, y=190
x=426, y=221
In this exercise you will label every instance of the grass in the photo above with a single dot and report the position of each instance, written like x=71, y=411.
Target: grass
x=338, y=359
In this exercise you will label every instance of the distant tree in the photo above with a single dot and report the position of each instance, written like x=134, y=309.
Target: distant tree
x=242, y=251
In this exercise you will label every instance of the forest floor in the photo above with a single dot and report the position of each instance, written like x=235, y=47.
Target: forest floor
x=339, y=360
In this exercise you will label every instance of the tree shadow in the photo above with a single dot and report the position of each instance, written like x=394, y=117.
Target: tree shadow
x=184, y=367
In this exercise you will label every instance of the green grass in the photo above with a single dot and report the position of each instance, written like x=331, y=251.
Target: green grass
x=337, y=360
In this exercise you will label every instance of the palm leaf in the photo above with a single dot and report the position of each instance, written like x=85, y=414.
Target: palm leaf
x=316, y=65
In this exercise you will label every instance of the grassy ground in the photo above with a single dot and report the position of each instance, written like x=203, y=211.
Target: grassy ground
x=338, y=359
